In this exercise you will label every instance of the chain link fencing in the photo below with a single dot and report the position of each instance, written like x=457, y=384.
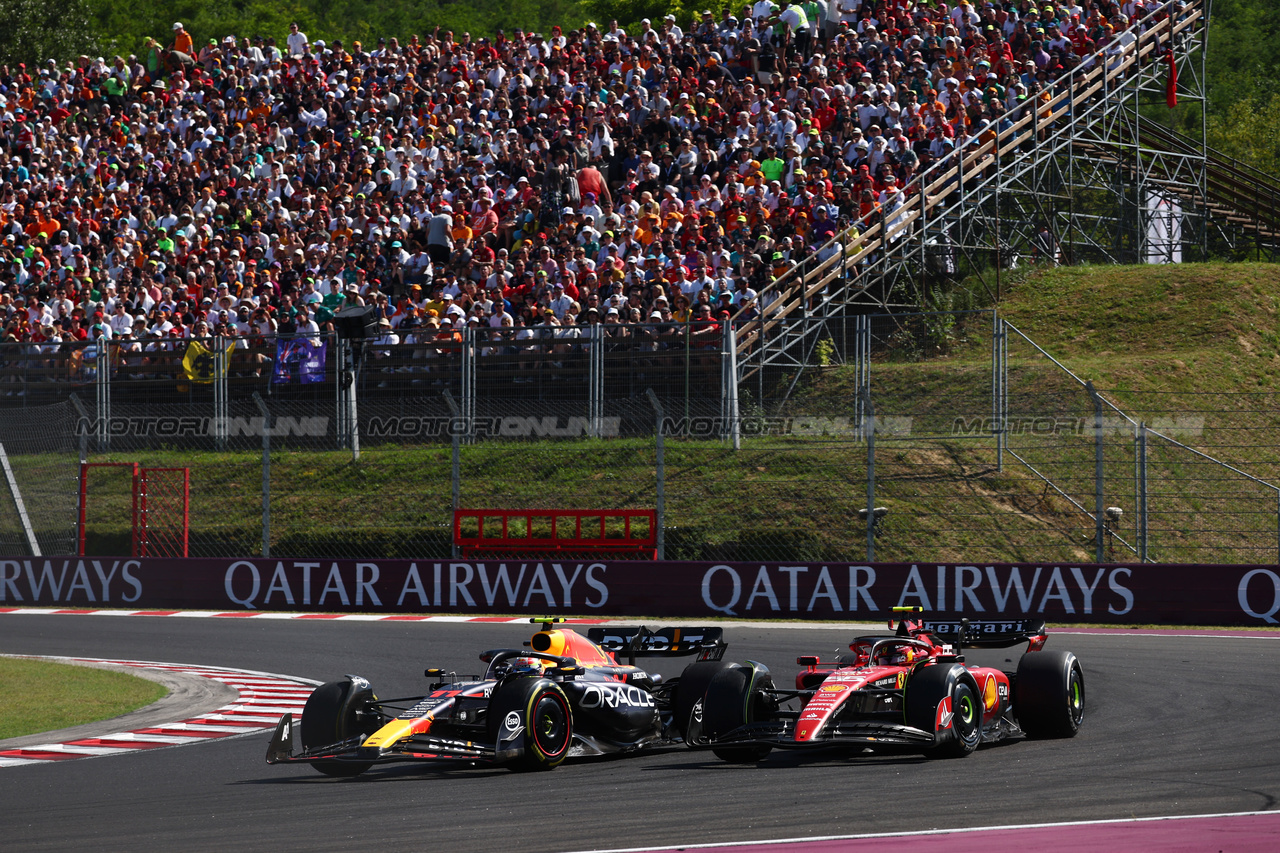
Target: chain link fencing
x=943, y=437
x=1075, y=450
x=1210, y=470
x=935, y=473
x=40, y=471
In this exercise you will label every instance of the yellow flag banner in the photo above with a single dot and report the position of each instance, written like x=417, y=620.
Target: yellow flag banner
x=200, y=364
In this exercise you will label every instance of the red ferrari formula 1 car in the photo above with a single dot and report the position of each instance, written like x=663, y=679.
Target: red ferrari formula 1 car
x=563, y=695
x=907, y=690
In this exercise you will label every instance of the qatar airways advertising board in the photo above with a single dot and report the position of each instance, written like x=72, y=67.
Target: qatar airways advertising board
x=1114, y=593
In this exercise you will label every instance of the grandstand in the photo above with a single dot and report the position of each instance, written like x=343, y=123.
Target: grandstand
x=766, y=173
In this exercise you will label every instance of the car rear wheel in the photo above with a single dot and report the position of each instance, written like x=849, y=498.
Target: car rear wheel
x=734, y=699
x=332, y=715
x=1048, y=694
x=691, y=689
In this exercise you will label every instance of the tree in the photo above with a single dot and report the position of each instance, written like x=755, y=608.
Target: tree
x=1249, y=130
x=36, y=30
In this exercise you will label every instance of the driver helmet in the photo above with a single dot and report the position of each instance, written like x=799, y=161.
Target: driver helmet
x=527, y=665
x=898, y=656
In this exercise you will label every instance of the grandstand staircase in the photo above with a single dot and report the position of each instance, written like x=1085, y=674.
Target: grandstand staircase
x=1083, y=162
x=1235, y=196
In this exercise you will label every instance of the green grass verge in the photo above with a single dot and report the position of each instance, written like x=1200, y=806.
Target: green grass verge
x=42, y=696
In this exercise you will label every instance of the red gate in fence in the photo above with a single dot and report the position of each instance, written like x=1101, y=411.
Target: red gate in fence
x=158, y=507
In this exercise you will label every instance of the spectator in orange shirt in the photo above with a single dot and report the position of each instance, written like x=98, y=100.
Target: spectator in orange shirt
x=182, y=40
x=43, y=224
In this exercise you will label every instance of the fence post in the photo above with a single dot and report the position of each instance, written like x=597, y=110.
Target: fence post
x=469, y=381
x=736, y=413
x=1004, y=390
x=866, y=352
x=1142, y=491
x=724, y=386
x=353, y=403
x=660, y=464
x=595, y=387
x=455, y=471
x=348, y=415
x=997, y=424
x=869, y=432
x=862, y=359
x=1098, y=509
x=103, y=384
x=729, y=427
x=340, y=393
x=266, y=473
x=220, y=371
x=83, y=418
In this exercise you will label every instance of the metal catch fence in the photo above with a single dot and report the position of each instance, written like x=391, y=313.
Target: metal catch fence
x=945, y=436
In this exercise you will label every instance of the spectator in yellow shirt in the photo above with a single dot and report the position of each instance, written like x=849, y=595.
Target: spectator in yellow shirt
x=462, y=234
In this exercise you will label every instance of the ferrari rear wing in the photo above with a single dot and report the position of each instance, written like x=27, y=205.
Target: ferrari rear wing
x=993, y=634
x=706, y=643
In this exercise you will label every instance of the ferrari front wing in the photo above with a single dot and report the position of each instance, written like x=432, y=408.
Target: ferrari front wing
x=781, y=734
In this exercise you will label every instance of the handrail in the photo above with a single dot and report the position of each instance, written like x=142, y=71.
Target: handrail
x=1240, y=192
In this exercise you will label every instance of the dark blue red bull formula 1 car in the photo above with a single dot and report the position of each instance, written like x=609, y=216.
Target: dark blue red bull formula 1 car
x=563, y=695
x=910, y=689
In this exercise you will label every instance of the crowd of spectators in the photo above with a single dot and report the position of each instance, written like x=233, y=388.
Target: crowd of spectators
x=656, y=176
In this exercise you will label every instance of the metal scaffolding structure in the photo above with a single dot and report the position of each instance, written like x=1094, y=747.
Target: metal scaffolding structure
x=1077, y=175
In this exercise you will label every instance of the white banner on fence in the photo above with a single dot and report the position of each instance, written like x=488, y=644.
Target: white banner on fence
x=1164, y=229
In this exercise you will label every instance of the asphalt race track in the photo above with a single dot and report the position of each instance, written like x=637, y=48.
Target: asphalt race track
x=1175, y=726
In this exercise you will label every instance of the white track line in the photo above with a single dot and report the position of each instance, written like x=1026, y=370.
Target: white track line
x=1194, y=632
x=927, y=832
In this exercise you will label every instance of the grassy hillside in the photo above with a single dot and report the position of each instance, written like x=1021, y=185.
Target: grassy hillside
x=1191, y=350
x=1186, y=329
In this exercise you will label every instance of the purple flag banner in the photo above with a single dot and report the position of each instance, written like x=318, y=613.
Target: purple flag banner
x=300, y=360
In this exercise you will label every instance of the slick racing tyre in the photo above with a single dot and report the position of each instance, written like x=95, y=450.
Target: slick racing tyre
x=541, y=707
x=1048, y=694
x=690, y=690
x=929, y=687
x=332, y=714
x=735, y=698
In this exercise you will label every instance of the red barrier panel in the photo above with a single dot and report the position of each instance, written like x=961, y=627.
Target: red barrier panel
x=625, y=533
x=1121, y=594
